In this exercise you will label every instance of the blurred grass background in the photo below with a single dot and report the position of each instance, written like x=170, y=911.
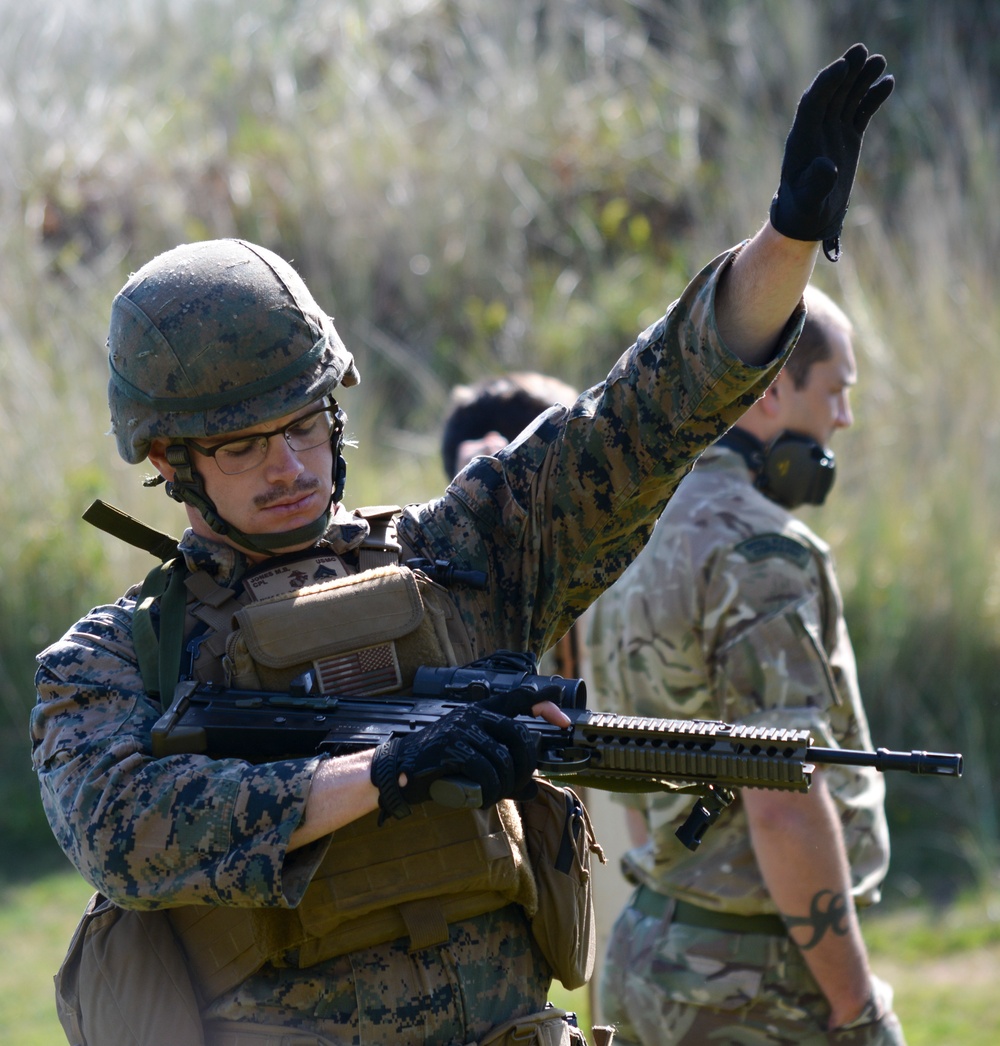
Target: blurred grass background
x=471, y=187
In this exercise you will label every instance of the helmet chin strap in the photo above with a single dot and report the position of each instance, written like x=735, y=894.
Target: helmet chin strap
x=188, y=487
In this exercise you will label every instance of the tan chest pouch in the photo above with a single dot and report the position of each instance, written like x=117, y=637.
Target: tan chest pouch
x=362, y=634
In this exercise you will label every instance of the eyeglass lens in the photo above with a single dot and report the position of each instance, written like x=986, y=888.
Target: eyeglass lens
x=305, y=433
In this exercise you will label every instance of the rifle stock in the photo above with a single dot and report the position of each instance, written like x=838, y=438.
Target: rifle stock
x=598, y=749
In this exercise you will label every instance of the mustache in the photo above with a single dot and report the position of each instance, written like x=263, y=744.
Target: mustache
x=303, y=485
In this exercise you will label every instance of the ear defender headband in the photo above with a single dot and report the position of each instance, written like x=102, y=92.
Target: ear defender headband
x=793, y=470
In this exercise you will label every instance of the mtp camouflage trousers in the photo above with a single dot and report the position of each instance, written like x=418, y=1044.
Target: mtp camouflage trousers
x=666, y=983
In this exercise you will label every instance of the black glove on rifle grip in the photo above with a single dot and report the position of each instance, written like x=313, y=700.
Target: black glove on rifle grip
x=471, y=743
x=521, y=699
x=823, y=147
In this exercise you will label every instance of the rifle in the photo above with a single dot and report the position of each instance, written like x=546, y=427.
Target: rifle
x=598, y=749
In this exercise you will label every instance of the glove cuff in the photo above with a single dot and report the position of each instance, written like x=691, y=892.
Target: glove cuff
x=792, y=226
x=385, y=776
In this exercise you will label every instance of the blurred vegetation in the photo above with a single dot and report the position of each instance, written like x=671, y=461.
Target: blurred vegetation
x=472, y=186
x=941, y=964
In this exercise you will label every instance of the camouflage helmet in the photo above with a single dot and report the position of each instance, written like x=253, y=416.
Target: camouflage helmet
x=213, y=337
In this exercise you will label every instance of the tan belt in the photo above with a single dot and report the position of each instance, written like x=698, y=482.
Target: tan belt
x=654, y=904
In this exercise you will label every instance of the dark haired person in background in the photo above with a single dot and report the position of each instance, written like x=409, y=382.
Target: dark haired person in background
x=487, y=415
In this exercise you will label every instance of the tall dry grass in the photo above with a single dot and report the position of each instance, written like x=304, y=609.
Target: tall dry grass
x=472, y=186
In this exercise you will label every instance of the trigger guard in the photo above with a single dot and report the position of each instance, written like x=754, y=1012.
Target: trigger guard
x=566, y=760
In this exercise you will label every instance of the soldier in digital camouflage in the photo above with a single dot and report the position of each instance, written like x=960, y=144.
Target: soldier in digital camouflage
x=327, y=900
x=732, y=612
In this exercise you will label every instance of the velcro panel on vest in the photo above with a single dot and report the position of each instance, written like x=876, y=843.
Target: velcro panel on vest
x=363, y=634
x=435, y=850
x=424, y=923
x=375, y=884
x=223, y=946
x=411, y=878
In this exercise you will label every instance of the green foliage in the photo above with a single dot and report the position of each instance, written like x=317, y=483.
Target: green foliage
x=472, y=187
x=940, y=965
x=36, y=920
x=924, y=932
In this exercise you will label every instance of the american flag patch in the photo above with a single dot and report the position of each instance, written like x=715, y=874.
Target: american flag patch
x=371, y=670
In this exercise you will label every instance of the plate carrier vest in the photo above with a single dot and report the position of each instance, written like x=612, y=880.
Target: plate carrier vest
x=363, y=630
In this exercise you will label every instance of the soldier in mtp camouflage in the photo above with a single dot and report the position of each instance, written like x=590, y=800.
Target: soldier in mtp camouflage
x=328, y=900
x=732, y=612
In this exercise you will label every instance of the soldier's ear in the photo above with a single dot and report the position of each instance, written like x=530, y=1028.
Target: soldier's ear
x=772, y=400
x=158, y=458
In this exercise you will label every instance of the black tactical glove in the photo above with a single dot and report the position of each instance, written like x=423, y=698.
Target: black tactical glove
x=823, y=146
x=476, y=744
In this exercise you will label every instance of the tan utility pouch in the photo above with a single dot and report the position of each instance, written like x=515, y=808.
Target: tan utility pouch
x=363, y=634
x=560, y=841
x=243, y=1033
x=548, y=1027
x=124, y=982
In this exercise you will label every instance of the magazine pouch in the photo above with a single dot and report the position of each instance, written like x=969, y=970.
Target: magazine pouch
x=560, y=841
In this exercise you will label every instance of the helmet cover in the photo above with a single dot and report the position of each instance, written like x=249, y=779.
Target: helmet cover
x=214, y=337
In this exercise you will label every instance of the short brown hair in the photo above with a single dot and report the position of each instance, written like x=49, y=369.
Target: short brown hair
x=822, y=315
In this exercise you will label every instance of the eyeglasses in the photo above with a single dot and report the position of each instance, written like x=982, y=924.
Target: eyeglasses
x=304, y=433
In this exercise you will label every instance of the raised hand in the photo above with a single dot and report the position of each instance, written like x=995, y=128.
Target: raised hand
x=823, y=147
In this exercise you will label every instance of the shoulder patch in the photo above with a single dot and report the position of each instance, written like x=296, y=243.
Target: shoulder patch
x=764, y=546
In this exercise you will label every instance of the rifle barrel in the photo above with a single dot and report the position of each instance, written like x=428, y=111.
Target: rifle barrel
x=947, y=764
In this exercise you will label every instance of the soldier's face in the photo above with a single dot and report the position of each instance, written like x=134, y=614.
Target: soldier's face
x=822, y=405
x=288, y=489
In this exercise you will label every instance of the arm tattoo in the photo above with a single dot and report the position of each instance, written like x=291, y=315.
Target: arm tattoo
x=828, y=911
